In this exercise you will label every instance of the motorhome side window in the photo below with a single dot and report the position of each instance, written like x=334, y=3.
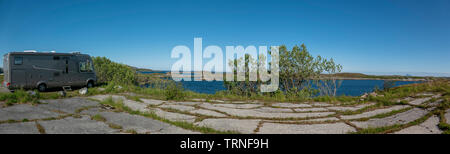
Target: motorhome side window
x=18, y=60
x=86, y=66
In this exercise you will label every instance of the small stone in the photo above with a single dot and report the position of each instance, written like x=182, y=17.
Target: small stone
x=62, y=93
x=83, y=91
x=31, y=93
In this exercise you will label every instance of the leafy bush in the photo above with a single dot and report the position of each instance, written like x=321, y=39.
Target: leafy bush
x=298, y=69
x=108, y=71
x=174, y=91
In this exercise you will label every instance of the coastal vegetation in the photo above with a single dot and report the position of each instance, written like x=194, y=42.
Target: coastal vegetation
x=299, y=72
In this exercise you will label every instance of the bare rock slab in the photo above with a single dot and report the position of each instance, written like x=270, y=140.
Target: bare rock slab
x=401, y=118
x=257, y=114
x=374, y=112
x=419, y=101
x=103, y=97
x=136, y=106
x=70, y=125
x=290, y=105
x=25, y=111
x=314, y=109
x=240, y=106
x=151, y=101
x=173, y=116
x=320, y=104
x=208, y=113
x=334, y=128
x=186, y=103
x=427, y=127
x=142, y=124
x=243, y=126
x=19, y=128
x=67, y=105
x=274, y=110
x=178, y=107
x=349, y=108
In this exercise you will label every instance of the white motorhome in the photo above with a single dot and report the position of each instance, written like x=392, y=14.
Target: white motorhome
x=39, y=70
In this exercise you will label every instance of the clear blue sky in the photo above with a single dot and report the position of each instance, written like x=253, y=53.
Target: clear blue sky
x=362, y=35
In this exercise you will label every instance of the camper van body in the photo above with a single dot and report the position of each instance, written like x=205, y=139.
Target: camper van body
x=31, y=70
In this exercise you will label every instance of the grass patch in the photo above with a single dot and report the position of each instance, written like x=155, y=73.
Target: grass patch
x=98, y=117
x=130, y=131
x=114, y=126
x=40, y=128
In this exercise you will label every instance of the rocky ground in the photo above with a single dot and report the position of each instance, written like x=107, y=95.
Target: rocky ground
x=88, y=115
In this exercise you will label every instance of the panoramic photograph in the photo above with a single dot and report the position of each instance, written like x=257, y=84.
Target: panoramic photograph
x=225, y=67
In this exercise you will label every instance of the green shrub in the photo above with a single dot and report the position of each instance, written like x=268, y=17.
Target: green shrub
x=108, y=71
x=174, y=91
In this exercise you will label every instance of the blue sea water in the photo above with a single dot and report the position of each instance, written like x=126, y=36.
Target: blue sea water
x=348, y=87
